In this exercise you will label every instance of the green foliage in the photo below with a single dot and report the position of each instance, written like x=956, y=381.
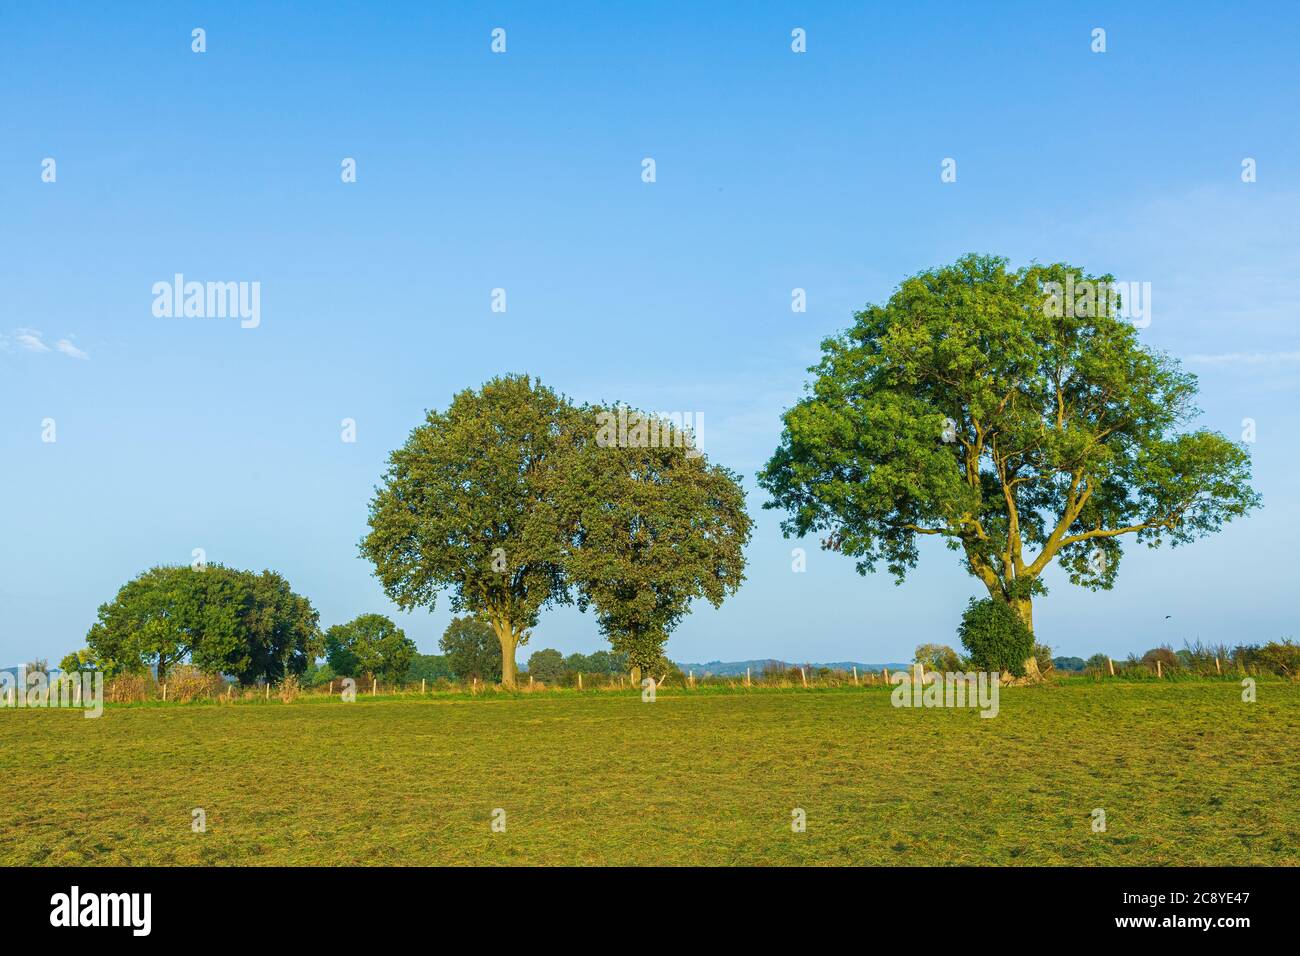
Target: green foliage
x=550, y=666
x=318, y=675
x=1099, y=663
x=1165, y=655
x=1074, y=664
x=511, y=501
x=369, y=644
x=472, y=649
x=82, y=660
x=281, y=628
x=468, y=506
x=1280, y=657
x=995, y=636
x=938, y=657
x=428, y=667
x=546, y=665
x=598, y=662
x=655, y=527
x=221, y=620
x=1042, y=655
x=968, y=408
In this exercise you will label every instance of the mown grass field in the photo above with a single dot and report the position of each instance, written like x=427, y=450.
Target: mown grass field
x=1186, y=772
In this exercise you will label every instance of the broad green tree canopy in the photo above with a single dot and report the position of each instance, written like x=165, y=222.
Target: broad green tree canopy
x=369, y=644
x=654, y=528
x=973, y=408
x=509, y=502
x=219, y=619
x=466, y=507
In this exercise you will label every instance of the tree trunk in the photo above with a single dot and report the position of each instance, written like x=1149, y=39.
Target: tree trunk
x=509, y=641
x=1025, y=608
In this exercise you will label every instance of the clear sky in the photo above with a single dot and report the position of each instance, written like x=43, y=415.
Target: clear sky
x=522, y=171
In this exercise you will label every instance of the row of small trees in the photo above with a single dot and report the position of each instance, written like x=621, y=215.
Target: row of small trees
x=512, y=500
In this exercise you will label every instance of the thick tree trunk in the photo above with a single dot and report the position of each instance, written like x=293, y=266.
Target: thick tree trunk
x=509, y=641
x=1025, y=608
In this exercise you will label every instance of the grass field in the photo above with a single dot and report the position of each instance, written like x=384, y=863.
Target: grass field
x=1186, y=772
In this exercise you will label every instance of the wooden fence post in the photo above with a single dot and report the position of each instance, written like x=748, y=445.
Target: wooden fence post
x=804, y=675
x=1217, y=669
x=268, y=690
x=855, y=675
x=374, y=686
x=746, y=676
x=886, y=675
x=530, y=680
x=692, y=674
x=421, y=685
x=164, y=693
x=579, y=680
x=1159, y=672
x=1111, y=662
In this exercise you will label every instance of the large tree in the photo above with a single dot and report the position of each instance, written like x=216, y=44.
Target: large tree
x=219, y=619
x=1013, y=414
x=171, y=615
x=466, y=506
x=655, y=527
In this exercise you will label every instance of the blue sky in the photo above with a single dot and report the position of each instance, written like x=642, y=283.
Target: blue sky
x=522, y=171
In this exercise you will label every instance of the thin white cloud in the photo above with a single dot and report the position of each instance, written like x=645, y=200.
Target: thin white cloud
x=30, y=339
x=67, y=348
x=1246, y=358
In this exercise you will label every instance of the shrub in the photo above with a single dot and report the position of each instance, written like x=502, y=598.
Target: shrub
x=186, y=683
x=995, y=636
x=1043, y=655
x=1165, y=655
x=290, y=688
x=938, y=657
x=1280, y=657
x=1097, y=664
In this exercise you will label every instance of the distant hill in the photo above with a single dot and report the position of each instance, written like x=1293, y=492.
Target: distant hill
x=737, y=668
